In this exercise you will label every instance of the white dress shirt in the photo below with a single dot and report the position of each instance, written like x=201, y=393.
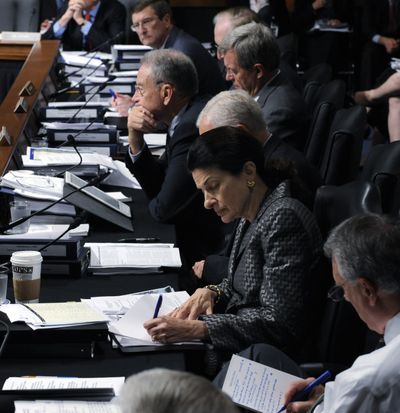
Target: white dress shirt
x=372, y=383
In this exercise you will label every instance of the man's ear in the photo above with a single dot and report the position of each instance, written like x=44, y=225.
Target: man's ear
x=260, y=70
x=368, y=289
x=166, y=91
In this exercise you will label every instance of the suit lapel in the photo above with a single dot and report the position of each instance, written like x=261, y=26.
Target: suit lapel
x=245, y=229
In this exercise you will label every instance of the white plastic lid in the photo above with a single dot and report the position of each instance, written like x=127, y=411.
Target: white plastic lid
x=26, y=257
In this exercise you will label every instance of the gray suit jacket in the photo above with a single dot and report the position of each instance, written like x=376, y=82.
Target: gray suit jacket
x=266, y=293
x=285, y=112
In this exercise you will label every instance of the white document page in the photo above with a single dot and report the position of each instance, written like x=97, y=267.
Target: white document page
x=131, y=324
x=53, y=382
x=255, y=386
x=48, y=232
x=43, y=406
x=75, y=60
x=133, y=255
x=77, y=126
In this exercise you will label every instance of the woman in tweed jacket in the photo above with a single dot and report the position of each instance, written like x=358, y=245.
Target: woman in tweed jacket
x=265, y=297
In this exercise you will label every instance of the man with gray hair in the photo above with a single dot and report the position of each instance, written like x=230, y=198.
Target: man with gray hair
x=365, y=255
x=167, y=391
x=237, y=108
x=251, y=58
x=165, y=93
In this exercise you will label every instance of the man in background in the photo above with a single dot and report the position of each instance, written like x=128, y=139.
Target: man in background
x=89, y=24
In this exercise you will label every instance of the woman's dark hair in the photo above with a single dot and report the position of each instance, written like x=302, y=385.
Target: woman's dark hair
x=226, y=148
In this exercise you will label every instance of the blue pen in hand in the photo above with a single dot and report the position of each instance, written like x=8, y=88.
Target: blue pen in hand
x=112, y=93
x=158, y=306
x=302, y=394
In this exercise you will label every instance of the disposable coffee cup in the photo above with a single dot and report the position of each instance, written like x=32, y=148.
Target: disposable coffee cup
x=26, y=267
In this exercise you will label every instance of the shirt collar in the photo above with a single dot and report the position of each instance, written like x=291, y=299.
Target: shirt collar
x=266, y=84
x=175, y=120
x=392, y=329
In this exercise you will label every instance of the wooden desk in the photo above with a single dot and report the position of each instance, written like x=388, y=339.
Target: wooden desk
x=39, y=60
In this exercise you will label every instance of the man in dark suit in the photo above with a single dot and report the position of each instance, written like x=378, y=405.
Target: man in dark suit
x=152, y=21
x=87, y=24
x=166, y=93
x=381, y=25
x=251, y=58
x=237, y=108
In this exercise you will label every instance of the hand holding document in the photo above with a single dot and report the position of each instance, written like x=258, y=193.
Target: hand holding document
x=129, y=329
x=256, y=386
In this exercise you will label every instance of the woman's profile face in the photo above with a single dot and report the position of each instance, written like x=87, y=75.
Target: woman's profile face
x=228, y=195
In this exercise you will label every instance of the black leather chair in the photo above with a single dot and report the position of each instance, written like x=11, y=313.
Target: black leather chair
x=323, y=101
x=342, y=336
x=382, y=167
x=341, y=159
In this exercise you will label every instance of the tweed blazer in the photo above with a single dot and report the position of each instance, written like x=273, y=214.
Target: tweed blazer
x=266, y=293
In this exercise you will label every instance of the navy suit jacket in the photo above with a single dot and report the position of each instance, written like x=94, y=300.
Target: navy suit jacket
x=109, y=22
x=210, y=78
x=284, y=111
x=174, y=198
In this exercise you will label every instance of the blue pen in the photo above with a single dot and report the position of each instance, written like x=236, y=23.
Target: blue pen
x=158, y=306
x=302, y=394
x=113, y=94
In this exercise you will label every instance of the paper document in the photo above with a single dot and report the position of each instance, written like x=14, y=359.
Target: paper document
x=53, y=382
x=53, y=314
x=43, y=406
x=120, y=304
x=255, y=386
x=131, y=324
x=26, y=181
x=75, y=60
x=47, y=232
x=77, y=126
x=133, y=255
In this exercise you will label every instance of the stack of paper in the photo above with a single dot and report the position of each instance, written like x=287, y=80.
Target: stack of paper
x=116, y=258
x=53, y=315
x=129, y=330
x=25, y=183
x=53, y=382
x=48, y=232
x=47, y=406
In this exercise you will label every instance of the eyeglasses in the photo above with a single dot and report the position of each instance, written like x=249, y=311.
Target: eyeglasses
x=336, y=293
x=145, y=23
x=141, y=91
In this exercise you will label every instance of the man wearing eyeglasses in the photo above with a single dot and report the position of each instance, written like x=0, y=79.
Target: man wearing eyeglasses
x=152, y=21
x=87, y=24
x=365, y=255
x=165, y=93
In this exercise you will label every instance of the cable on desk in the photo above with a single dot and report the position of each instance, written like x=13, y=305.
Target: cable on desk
x=5, y=338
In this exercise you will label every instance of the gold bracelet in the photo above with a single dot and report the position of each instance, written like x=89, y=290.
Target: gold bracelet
x=216, y=290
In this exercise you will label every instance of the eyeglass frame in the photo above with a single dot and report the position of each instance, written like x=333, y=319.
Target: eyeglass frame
x=141, y=90
x=336, y=293
x=144, y=23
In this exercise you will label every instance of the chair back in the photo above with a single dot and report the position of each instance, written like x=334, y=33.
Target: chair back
x=342, y=154
x=382, y=167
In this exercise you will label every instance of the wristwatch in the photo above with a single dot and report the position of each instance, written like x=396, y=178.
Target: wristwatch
x=216, y=290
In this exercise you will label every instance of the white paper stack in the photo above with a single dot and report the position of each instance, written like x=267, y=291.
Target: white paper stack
x=117, y=258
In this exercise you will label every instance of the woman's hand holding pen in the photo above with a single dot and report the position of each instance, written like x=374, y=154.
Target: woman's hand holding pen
x=166, y=329
x=121, y=103
x=301, y=406
x=201, y=302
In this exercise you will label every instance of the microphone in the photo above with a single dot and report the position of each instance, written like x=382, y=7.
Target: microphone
x=94, y=181
x=66, y=89
x=100, y=88
x=74, y=224
x=95, y=49
x=72, y=141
